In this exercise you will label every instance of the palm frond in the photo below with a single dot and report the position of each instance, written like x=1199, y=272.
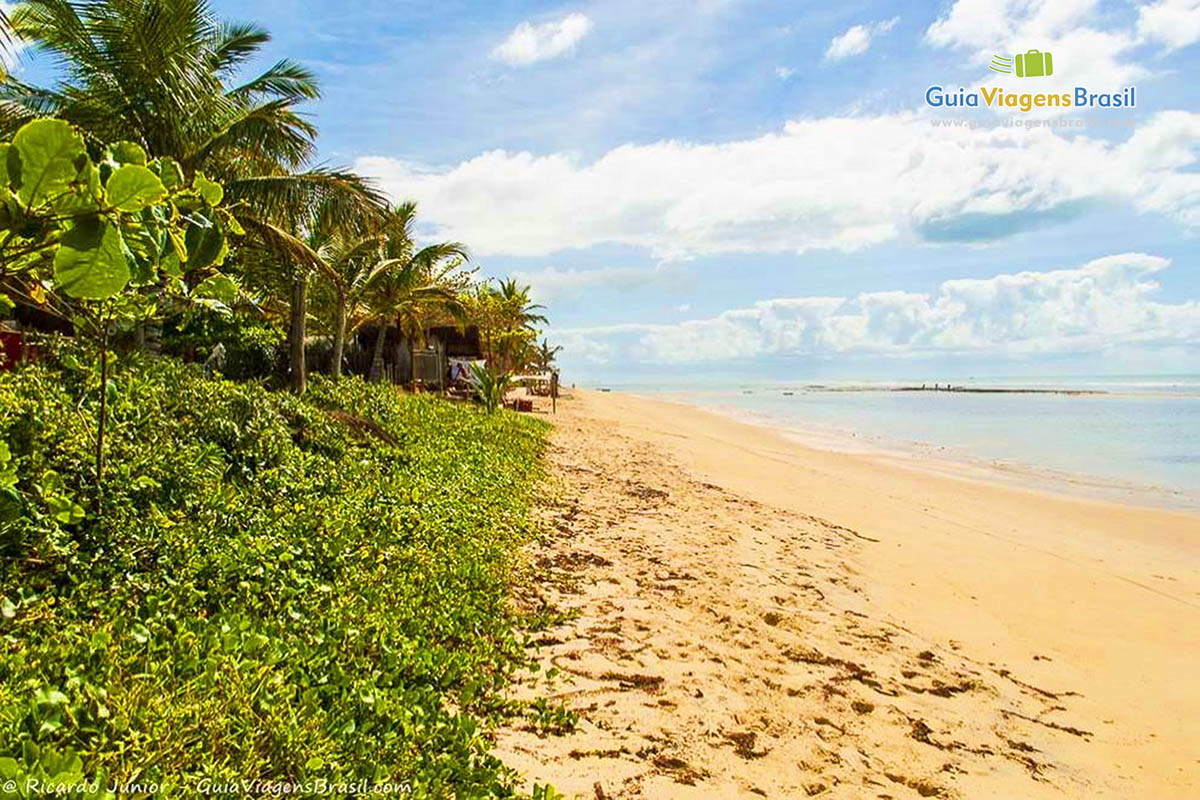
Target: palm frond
x=339, y=195
x=347, y=250
x=433, y=254
x=271, y=128
x=21, y=103
x=154, y=72
x=285, y=246
x=234, y=43
x=55, y=27
x=285, y=79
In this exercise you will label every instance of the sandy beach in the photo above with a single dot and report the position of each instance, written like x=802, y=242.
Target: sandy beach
x=751, y=617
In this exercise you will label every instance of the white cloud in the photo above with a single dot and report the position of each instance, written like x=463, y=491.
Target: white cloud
x=529, y=43
x=552, y=283
x=857, y=40
x=785, y=73
x=839, y=183
x=1104, y=304
x=1174, y=23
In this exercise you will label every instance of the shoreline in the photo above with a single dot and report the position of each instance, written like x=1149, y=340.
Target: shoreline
x=953, y=461
x=750, y=615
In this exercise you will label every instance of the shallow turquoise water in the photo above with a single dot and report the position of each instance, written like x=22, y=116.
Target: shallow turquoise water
x=1139, y=440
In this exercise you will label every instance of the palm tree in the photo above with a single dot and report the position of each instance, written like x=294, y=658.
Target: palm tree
x=163, y=74
x=302, y=225
x=544, y=355
x=408, y=286
x=520, y=309
x=507, y=318
x=369, y=263
x=350, y=262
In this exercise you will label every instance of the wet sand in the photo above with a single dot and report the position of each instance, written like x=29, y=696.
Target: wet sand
x=749, y=617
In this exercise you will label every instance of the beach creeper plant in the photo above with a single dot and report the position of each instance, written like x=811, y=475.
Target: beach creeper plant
x=291, y=589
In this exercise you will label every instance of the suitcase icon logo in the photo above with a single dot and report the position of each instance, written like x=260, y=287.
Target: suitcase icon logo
x=1031, y=64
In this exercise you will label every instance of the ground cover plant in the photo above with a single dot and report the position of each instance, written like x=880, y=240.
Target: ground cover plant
x=278, y=588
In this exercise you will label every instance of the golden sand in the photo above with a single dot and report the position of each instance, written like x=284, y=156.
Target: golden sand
x=759, y=618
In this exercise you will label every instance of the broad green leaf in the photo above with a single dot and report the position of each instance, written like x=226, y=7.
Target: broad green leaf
x=49, y=153
x=141, y=270
x=83, y=195
x=223, y=253
x=4, y=148
x=132, y=188
x=128, y=153
x=204, y=244
x=91, y=262
x=64, y=509
x=169, y=171
x=50, y=697
x=6, y=306
x=211, y=191
x=51, y=480
x=230, y=222
x=218, y=287
x=179, y=246
x=143, y=252
x=50, y=725
x=171, y=265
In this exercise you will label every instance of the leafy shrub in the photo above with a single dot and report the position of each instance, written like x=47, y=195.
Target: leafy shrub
x=253, y=347
x=279, y=588
x=490, y=388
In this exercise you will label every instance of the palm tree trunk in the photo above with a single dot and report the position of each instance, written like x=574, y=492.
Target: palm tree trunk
x=298, y=333
x=377, y=357
x=339, y=339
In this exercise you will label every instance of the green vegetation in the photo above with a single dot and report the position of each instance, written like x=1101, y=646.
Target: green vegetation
x=91, y=229
x=489, y=387
x=279, y=587
x=508, y=321
x=206, y=580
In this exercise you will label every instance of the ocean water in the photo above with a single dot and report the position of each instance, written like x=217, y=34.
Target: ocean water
x=1134, y=439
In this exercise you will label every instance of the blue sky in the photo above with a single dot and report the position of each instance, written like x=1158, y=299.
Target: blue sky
x=699, y=184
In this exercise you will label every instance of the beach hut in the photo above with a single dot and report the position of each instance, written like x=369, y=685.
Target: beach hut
x=405, y=362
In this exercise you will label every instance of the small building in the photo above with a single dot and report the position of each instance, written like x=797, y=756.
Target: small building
x=404, y=363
